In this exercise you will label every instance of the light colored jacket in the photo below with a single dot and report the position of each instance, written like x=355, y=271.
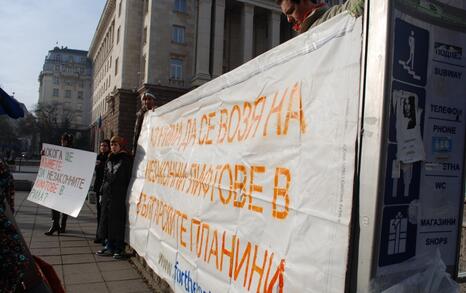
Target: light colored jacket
x=354, y=7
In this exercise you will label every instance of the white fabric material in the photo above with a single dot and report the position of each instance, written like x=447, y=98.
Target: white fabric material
x=239, y=198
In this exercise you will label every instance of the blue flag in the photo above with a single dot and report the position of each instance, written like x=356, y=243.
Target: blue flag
x=10, y=106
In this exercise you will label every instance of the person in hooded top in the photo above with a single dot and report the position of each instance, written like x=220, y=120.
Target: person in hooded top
x=115, y=182
x=104, y=151
x=148, y=104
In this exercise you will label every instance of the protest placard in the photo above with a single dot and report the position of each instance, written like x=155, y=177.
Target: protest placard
x=63, y=179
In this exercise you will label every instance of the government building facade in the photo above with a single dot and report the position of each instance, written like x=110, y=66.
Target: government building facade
x=168, y=47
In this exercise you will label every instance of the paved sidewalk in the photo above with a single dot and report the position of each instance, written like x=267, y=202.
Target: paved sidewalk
x=73, y=254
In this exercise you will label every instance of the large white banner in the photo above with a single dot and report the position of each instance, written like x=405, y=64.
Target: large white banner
x=63, y=179
x=245, y=184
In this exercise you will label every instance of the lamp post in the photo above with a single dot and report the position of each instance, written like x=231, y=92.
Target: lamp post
x=20, y=161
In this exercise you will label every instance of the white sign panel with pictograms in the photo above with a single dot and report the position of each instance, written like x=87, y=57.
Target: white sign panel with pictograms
x=424, y=178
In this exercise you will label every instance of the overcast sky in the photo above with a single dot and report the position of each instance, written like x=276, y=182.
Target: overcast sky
x=30, y=28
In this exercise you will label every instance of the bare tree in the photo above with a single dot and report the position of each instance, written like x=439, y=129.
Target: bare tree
x=8, y=139
x=53, y=119
x=27, y=128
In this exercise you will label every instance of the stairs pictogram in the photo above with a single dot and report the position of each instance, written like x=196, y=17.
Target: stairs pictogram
x=410, y=72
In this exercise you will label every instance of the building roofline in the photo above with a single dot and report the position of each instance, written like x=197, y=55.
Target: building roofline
x=65, y=49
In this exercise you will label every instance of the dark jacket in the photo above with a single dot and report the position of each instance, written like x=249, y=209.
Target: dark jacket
x=354, y=7
x=137, y=127
x=99, y=171
x=7, y=187
x=115, y=183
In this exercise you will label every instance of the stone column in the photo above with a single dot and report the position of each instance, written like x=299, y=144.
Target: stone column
x=247, y=27
x=274, y=28
x=202, y=74
x=218, y=38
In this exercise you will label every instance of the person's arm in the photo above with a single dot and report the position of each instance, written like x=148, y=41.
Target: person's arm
x=126, y=166
x=355, y=7
x=137, y=130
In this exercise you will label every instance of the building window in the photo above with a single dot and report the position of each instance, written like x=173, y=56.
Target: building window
x=79, y=107
x=56, y=80
x=55, y=92
x=118, y=35
x=80, y=95
x=67, y=94
x=81, y=83
x=57, y=67
x=119, y=8
x=176, y=69
x=178, y=34
x=180, y=5
x=67, y=81
x=116, y=66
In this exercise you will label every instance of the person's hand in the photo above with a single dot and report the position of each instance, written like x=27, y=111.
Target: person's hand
x=97, y=163
x=42, y=152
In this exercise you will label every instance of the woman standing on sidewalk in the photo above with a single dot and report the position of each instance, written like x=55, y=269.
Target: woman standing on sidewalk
x=113, y=214
x=104, y=150
x=66, y=141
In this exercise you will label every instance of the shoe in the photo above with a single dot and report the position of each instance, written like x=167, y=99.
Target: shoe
x=63, y=223
x=52, y=230
x=104, y=252
x=118, y=255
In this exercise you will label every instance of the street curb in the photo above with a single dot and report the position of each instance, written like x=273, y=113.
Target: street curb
x=153, y=280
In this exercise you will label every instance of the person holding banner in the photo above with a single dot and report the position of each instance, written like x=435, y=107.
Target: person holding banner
x=104, y=150
x=148, y=103
x=113, y=214
x=66, y=141
x=305, y=14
